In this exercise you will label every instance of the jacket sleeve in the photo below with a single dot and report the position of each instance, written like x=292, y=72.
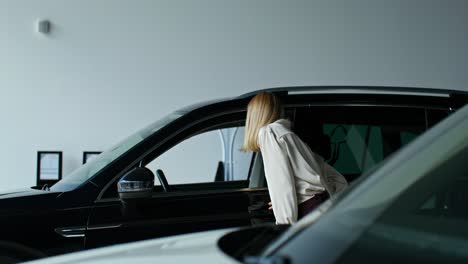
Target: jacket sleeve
x=279, y=176
x=334, y=181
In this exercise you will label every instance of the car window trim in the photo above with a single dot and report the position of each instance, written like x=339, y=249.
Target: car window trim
x=370, y=92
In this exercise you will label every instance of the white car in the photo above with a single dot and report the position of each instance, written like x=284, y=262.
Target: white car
x=410, y=209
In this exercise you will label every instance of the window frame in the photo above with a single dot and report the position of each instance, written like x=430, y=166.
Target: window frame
x=234, y=107
x=179, y=136
x=224, y=125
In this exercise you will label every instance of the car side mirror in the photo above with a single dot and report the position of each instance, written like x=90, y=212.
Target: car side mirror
x=136, y=184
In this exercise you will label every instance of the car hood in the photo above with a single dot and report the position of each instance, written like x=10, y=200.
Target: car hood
x=22, y=192
x=192, y=248
x=25, y=201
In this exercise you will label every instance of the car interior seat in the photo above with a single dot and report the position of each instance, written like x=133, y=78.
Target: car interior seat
x=257, y=174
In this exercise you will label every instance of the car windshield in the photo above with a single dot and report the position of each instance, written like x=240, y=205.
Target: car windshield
x=88, y=170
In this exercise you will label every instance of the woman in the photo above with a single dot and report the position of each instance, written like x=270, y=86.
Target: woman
x=298, y=179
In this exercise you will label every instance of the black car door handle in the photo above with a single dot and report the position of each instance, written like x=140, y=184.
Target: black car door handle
x=79, y=231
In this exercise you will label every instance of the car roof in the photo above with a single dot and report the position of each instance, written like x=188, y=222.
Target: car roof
x=365, y=90
x=358, y=90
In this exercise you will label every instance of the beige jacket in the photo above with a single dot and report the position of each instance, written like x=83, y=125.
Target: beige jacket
x=293, y=172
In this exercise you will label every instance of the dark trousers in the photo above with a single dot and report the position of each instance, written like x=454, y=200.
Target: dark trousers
x=309, y=205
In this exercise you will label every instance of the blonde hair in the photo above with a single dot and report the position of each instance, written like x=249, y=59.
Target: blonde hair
x=263, y=109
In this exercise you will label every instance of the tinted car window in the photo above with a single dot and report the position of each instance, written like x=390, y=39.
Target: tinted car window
x=426, y=223
x=357, y=148
x=354, y=139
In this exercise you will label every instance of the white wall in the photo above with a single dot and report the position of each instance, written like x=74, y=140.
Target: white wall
x=110, y=67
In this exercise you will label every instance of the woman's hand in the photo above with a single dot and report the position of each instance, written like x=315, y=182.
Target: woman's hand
x=270, y=206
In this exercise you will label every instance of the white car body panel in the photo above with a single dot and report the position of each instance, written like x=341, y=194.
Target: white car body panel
x=192, y=248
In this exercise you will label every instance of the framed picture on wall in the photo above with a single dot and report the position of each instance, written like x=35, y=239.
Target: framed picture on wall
x=49, y=167
x=89, y=155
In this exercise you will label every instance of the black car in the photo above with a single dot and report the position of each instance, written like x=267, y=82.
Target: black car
x=203, y=180
x=411, y=208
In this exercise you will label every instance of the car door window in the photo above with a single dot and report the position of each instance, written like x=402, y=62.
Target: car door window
x=211, y=156
x=357, y=148
x=355, y=139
